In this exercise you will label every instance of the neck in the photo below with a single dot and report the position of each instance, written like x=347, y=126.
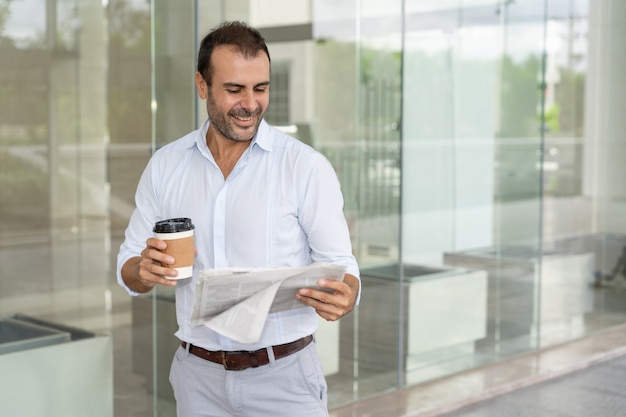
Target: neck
x=226, y=152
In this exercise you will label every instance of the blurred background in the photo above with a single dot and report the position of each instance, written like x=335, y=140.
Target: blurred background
x=479, y=145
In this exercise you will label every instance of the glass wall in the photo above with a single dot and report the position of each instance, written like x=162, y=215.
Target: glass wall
x=56, y=300
x=478, y=143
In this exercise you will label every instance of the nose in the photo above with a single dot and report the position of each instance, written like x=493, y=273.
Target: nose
x=248, y=101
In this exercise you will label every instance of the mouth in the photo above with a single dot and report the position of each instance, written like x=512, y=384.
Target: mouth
x=244, y=121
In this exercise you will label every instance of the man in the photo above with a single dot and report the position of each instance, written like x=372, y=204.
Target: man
x=257, y=198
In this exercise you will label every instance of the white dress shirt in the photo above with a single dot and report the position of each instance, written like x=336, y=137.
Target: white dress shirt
x=280, y=206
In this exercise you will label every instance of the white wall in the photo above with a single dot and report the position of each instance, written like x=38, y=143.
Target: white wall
x=265, y=12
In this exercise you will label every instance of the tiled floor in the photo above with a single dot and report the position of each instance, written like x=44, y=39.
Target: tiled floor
x=596, y=391
x=453, y=393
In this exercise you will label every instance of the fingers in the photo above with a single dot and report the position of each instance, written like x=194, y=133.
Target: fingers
x=153, y=265
x=326, y=310
x=332, y=303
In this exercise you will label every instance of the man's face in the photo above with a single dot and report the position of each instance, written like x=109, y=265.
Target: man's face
x=238, y=95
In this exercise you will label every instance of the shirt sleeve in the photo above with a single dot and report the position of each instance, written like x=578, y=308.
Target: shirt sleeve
x=322, y=218
x=141, y=221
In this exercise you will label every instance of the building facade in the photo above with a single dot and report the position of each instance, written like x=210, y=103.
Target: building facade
x=479, y=145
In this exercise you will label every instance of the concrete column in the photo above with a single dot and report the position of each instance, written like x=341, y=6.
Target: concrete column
x=605, y=125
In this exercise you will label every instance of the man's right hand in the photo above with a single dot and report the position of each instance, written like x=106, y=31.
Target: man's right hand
x=142, y=273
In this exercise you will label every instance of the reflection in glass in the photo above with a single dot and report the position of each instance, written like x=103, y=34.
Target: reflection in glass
x=478, y=144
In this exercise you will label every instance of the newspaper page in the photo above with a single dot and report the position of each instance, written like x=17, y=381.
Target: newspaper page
x=235, y=302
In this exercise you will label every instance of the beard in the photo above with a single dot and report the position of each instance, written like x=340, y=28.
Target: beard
x=222, y=122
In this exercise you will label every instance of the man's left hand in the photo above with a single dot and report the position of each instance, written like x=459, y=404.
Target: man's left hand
x=336, y=302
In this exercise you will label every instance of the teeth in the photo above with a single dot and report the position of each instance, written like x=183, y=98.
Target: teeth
x=243, y=119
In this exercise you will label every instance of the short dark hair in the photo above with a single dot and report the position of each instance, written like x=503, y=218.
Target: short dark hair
x=246, y=39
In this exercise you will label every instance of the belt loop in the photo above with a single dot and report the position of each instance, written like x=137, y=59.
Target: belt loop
x=270, y=355
x=187, y=348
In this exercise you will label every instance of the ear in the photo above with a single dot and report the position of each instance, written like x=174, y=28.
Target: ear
x=201, y=86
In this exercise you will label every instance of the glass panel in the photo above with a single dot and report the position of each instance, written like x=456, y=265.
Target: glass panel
x=384, y=273
x=514, y=302
x=129, y=84
x=471, y=188
x=582, y=162
x=335, y=69
x=174, y=111
x=357, y=54
x=54, y=202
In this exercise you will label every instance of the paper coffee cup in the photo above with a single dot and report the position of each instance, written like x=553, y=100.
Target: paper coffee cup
x=178, y=234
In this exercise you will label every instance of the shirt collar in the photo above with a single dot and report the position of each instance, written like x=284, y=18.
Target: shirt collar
x=263, y=137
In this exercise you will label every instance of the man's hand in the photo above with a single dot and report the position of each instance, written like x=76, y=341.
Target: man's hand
x=334, y=304
x=143, y=272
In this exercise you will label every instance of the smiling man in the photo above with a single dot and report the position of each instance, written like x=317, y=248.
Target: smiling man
x=257, y=198
x=242, y=102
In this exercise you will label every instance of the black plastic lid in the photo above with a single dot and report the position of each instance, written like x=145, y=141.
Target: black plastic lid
x=181, y=224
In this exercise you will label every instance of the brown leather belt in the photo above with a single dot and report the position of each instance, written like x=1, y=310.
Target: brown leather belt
x=240, y=360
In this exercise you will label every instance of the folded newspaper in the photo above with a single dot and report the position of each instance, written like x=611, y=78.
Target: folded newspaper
x=235, y=302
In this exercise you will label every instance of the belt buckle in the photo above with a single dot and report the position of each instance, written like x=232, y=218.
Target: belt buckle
x=225, y=362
